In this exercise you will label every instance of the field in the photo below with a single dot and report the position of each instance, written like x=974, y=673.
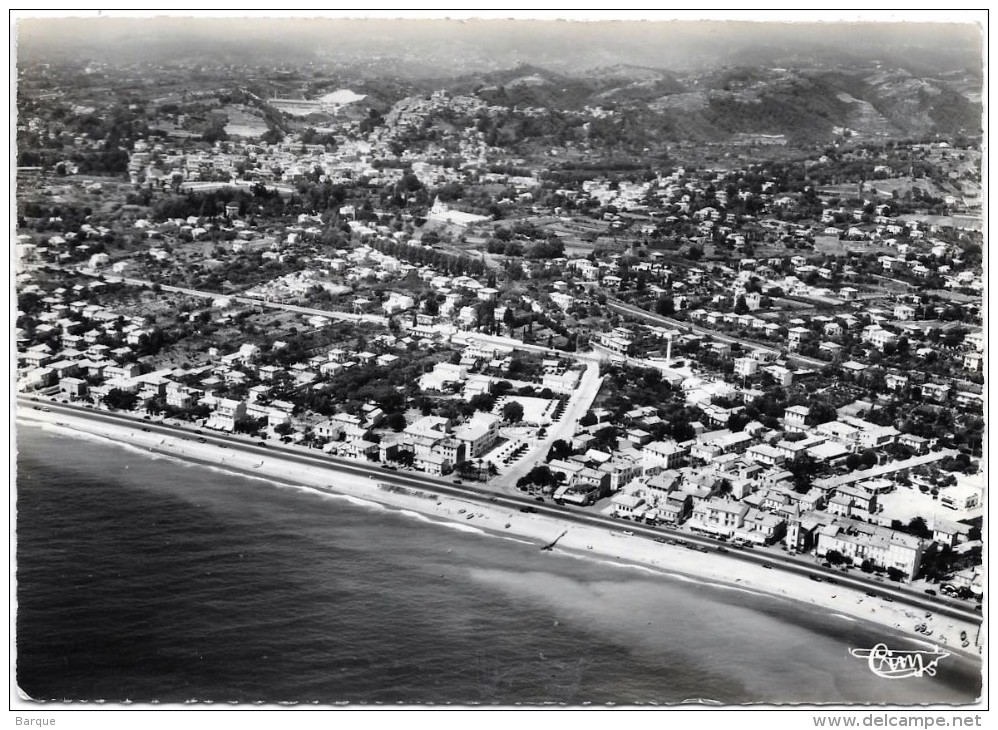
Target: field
x=831, y=245
x=903, y=184
x=243, y=123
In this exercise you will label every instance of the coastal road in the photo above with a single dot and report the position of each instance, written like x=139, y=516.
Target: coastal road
x=764, y=557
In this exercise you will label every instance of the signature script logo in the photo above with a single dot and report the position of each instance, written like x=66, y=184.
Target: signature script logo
x=895, y=664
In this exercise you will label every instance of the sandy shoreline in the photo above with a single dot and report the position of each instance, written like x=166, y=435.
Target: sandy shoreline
x=578, y=540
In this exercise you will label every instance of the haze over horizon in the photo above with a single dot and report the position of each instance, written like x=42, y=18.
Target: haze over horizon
x=438, y=47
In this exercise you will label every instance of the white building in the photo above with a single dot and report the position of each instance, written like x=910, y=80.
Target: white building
x=746, y=367
x=662, y=454
x=479, y=434
x=881, y=546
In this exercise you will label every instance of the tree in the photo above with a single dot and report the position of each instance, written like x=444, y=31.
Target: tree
x=512, y=412
x=737, y=421
x=559, y=450
x=396, y=421
x=248, y=424
x=215, y=133
x=682, y=431
x=539, y=475
x=895, y=574
x=409, y=183
x=918, y=528
x=482, y=402
x=466, y=469
x=272, y=136
x=665, y=306
x=803, y=468
x=821, y=412
x=509, y=319
x=605, y=438
x=834, y=557
x=120, y=399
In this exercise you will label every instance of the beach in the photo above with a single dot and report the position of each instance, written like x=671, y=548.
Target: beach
x=580, y=541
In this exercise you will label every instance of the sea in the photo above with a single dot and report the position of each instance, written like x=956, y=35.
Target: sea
x=143, y=579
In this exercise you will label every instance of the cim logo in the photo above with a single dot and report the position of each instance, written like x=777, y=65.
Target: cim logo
x=896, y=664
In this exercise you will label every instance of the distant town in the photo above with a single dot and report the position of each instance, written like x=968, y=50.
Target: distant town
x=773, y=342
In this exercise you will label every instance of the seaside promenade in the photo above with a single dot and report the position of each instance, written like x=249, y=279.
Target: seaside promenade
x=768, y=570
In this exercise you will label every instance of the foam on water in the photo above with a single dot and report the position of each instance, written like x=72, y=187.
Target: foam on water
x=377, y=506
x=238, y=472
x=96, y=438
x=844, y=617
x=605, y=629
x=667, y=573
x=336, y=496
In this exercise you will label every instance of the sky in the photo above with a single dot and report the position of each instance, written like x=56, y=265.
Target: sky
x=564, y=45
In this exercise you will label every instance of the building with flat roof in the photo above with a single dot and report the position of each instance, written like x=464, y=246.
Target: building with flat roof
x=861, y=541
x=479, y=434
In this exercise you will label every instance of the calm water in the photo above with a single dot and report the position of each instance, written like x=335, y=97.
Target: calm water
x=144, y=579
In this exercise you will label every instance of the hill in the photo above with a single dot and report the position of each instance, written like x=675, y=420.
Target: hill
x=804, y=106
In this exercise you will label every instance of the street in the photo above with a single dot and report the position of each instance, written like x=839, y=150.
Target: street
x=720, y=336
x=764, y=556
x=578, y=404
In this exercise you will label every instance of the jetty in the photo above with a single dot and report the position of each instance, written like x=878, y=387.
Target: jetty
x=554, y=542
